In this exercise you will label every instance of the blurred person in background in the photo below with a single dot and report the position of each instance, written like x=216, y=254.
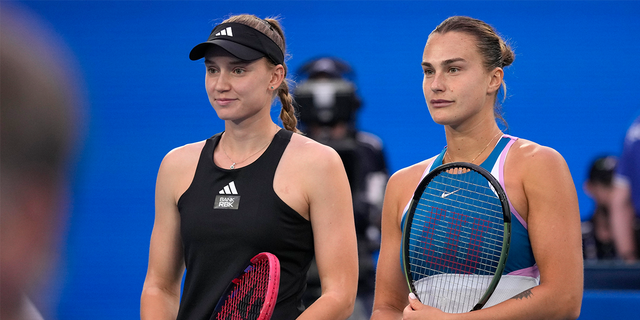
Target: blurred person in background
x=37, y=101
x=328, y=103
x=597, y=236
x=625, y=199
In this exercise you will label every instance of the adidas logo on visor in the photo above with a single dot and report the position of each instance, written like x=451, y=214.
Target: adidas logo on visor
x=225, y=32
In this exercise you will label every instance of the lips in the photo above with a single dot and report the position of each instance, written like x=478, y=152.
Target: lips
x=440, y=103
x=224, y=101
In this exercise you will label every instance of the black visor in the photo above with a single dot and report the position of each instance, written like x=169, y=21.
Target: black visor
x=242, y=41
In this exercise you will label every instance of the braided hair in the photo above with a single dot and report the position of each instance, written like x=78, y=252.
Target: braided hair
x=272, y=29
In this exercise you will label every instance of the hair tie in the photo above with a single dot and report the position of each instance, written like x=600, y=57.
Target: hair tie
x=268, y=24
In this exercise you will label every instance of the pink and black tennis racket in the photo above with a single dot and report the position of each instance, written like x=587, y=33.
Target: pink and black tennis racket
x=251, y=295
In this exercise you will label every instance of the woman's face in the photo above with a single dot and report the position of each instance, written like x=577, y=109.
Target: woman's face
x=456, y=85
x=237, y=89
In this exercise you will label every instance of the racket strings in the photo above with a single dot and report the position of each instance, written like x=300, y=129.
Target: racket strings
x=246, y=299
x=428, y=238
x=455, y=241
x=469, y=260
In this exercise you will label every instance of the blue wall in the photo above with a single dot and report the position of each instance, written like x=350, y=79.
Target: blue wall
x=573, y=86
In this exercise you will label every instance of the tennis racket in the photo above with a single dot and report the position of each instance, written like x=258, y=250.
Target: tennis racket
x=456, y=237
x=253, y=293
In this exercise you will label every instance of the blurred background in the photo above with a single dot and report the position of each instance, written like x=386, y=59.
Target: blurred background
x=573, y=86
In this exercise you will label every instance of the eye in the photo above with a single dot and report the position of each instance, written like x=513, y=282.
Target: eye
x=212, y=70
x=238, y=71
x=428, y=72
x=454, y=70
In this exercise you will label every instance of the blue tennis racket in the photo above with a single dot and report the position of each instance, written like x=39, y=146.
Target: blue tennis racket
x=456, y=237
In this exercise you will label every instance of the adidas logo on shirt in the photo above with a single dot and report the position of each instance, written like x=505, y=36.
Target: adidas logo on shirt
x=229, y=189
x=225, y=32
x=227, y=198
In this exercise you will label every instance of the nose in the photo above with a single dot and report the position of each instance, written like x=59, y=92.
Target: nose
x=222, y=83
x=437, y=82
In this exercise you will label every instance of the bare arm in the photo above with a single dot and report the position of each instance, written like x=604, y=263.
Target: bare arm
x=391, y=285
x=622, y=221
x=331, y=215
x=161, y=291
x=555, y=234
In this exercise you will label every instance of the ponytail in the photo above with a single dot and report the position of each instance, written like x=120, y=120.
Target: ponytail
x=287, y=113
x=272, y=29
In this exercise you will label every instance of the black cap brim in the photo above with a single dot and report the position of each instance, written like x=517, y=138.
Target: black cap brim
x=237, y=50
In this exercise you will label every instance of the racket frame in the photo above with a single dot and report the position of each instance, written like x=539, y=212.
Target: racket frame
x=506, y=216
x=273, y=285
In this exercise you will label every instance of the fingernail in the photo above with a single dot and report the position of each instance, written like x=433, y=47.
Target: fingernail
x=412, y=296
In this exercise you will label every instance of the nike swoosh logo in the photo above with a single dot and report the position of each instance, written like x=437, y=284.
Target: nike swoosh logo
x=446, y=194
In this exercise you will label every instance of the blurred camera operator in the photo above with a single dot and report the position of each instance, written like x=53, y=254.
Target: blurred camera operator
x=327, y=103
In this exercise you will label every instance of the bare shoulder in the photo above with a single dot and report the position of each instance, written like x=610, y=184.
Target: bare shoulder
x=400, y=188
x=309, y=172
x=306, y=161
x=308, y=153
x=177, y=171
x=408, y=177
x=183, y=156
x=532, y=156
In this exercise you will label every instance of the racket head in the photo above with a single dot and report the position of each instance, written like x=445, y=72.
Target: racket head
x=252, y=295
x=456, y=237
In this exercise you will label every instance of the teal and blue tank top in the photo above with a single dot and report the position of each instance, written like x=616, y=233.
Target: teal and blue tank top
x=520, y=261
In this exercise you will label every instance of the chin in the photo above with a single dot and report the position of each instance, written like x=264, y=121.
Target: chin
x=439, y=118
x=222, y=115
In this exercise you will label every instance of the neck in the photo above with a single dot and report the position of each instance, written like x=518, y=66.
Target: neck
x=237, y=149
x=472, y=146
x=244, y=138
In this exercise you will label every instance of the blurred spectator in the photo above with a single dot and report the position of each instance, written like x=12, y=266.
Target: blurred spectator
x=597, y=238
x=625, y=206
x=327, y=102
x=37, y=130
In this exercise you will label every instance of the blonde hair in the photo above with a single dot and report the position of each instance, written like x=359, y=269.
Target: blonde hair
x=272, y=29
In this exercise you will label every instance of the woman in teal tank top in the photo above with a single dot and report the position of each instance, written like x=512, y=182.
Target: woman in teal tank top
x=463, y=63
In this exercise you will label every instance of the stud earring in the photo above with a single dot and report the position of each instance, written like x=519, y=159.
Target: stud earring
x=271, y=88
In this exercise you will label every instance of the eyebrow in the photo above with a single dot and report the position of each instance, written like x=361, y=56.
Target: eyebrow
x=445, y=62
x=233, y=62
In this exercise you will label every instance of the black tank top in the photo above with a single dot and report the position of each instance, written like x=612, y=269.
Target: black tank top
x=227, y=217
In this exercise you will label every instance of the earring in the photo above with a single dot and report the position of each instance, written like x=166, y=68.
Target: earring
x=271, y=88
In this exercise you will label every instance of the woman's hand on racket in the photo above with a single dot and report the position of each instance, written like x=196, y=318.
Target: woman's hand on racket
x=415, y=310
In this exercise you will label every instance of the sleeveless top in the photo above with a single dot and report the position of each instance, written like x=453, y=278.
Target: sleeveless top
x=229, y=216
x=520, y=261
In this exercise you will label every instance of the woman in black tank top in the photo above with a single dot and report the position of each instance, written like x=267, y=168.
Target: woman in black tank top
x=290, y=194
